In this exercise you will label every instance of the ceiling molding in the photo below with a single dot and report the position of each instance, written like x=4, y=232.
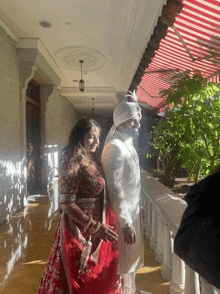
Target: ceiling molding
x=44, y=59
x=27, y=65
x=88, y=90
x=69, y=57
x=8, y=31
x=84, y=103
x=87, y=105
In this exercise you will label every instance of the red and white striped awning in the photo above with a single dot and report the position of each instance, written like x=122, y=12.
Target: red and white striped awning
x=192, y=42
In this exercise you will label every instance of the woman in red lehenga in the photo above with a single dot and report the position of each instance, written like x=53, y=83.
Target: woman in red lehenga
x=84, y=253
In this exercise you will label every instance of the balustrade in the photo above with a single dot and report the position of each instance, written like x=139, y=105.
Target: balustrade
x=191, y=281
x=168, y=254
x=160, y=240
x=163, y=213
x=153, y=238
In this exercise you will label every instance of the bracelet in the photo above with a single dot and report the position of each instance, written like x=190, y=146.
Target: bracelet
x=98, y=226
x=88, y=225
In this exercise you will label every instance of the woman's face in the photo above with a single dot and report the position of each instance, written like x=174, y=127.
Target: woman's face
x=91, y=140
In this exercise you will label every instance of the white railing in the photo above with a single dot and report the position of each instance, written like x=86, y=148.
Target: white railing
x=163, y=213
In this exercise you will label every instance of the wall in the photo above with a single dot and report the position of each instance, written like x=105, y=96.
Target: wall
x=60, y=117
x=12, y=179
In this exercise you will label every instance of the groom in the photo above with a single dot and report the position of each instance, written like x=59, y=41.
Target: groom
x=121, y=167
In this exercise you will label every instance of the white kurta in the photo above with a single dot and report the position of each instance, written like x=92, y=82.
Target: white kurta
x=121, y=167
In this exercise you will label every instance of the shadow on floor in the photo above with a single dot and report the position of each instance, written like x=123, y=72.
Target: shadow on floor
x=149, y=277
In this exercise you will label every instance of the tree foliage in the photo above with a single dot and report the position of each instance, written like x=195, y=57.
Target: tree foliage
x=190, y=132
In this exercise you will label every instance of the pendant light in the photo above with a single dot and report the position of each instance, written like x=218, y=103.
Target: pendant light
x=93, y=109
x=81, y=82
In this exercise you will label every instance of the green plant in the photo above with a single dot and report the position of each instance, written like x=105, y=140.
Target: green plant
x=165, y=139
x=190, y=132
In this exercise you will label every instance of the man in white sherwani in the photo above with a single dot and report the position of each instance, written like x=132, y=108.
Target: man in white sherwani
x=121, y=167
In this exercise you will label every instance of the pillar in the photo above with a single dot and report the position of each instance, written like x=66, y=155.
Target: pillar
x=177, y=284
x=168, y=254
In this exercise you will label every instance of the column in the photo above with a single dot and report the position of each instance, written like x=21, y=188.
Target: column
x=168, y=254
x=46, y=92
x=27, y=59
x=191, y=281
x=153, y=239
x=144, y=206
x=160, y=240
x=148, y=220
x=177, y=283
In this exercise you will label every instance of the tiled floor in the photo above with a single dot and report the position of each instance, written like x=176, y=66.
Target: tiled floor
x=25, y=244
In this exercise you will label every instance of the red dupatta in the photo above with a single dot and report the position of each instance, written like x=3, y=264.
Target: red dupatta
x=101, y=277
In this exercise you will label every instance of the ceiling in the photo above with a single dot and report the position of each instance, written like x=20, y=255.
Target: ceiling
x=109, y=35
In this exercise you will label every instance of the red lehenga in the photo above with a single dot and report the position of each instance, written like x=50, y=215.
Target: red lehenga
x=61, y=273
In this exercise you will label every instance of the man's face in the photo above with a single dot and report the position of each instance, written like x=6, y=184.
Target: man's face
x=132, y=126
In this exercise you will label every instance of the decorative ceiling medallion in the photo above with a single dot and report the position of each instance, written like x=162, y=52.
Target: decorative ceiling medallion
x=70, y=56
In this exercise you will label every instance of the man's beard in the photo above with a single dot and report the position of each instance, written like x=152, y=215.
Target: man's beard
x=133, y=133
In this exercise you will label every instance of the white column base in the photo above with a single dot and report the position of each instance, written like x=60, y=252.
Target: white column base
x=166, y=272
x=176, y=289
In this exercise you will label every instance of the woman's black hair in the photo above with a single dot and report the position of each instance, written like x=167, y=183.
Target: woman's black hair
x=81, y=128
x=75, y=148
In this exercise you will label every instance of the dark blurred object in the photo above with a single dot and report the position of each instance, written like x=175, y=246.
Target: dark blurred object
x=197, y=241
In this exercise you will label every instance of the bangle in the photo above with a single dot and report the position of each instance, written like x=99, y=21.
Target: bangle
x=98, y=226
x=88, y=225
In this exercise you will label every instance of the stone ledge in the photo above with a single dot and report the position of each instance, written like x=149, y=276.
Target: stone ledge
x=167, y=203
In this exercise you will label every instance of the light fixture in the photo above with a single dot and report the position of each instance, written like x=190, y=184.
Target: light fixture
x=93, y=109
x=81, y=82
x=45, y=24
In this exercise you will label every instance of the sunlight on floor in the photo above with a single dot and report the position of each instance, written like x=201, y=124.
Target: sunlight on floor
x=25, y=244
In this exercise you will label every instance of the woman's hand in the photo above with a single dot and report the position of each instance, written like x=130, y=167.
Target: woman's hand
x=106, y=233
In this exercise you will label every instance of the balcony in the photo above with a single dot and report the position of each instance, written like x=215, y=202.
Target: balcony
x=163, y=213
x=26, y=240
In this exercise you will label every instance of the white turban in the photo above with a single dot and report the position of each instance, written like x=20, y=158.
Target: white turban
x=124, y=111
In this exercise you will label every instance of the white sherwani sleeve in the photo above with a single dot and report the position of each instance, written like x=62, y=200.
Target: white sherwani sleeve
x=113, y=166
